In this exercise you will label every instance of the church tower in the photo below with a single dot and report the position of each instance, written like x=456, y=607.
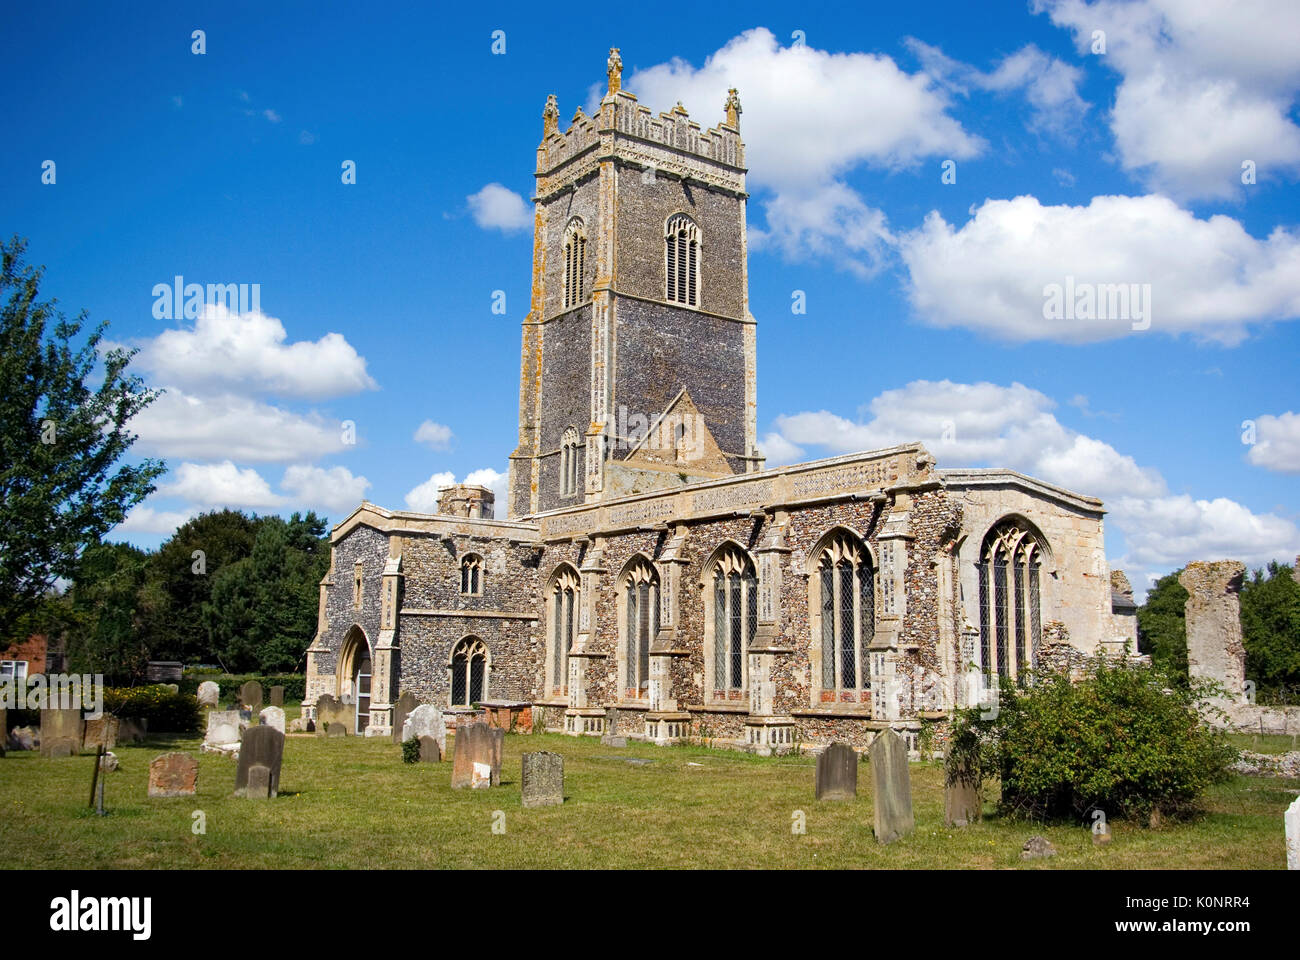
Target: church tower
x=638, y=362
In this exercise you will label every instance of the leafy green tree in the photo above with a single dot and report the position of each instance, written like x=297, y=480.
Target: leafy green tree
x=63, y=429
x=1162, y=630
x=101, y=613
x=1270, y=626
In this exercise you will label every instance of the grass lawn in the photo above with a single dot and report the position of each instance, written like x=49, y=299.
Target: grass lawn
x=353, y=803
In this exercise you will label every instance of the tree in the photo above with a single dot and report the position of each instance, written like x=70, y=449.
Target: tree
x=61, y=437
x=1162, y=630
x=102, y=613
x=1270, y=626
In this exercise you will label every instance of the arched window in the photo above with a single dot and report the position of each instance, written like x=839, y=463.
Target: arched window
x=570, y=463
x=844, y=600
x=1010, y=609
x=682, y=253
x=563, y=607
x=575, y=261
x=471, y=575
x=640, y=589
x=469, y=668
x=732, y=587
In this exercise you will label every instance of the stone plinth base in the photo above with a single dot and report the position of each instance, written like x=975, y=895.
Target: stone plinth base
x=584, y=721
x=666, y=728
x=768, y=735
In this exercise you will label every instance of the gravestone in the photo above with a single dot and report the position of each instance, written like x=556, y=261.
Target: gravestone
x=131, y=729
x=250, y=695
x=335, y=729
x=1292, y=821
x=224, y=726
x=261, y=747
x=429, y=752
x=1037, y=848
x=61, y=732
x=272, y=717
x=329, y=710
x=259, y=783
x=542, y=780
x=893, y=783
x=108, y=763
x=477, y=756
x=962, y=803
x=23, y=738
x=277, y=696
x=173, y=775
x=402, y=708
x=173, y=687
x=426, y=720
x=209, y=694
x=837, y=773
x=101, y=732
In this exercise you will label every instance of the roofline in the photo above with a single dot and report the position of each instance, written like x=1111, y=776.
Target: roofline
x=959, y=477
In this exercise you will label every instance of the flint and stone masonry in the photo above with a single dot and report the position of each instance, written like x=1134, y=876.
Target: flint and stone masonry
x=650, y=568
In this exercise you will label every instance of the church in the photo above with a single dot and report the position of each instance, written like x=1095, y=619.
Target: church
x=653, y=578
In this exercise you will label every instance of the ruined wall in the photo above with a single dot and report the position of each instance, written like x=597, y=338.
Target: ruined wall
x=1213, y=618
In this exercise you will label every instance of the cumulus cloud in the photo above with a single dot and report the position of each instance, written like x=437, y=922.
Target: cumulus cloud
x=179, y=424
x=1277, y=443
x=810, y=117
x=1207, y=277
x=496, y=207
x=335, y=489
x=146, y=519
x=435, y=435
x=226, y=350
x=424, y=497
x=1205, y=85
x=212, y=485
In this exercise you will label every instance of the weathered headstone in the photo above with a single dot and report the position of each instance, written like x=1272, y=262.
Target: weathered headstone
x=250, y=695
x=429, y=751
x=264, y=747
x=962, y=803
x=108, y=763
x=1292, y=821
x=61, y=732
x=224, y=726
x=272, y=717
x=335, y=729
x=259, y=783
x=131, y=729
x=1037, y=848
x=426, y=720
x=209, y=694
x=23, y=738
x=893, y=799
x=477, y=748
x=329, y=710
x=101, y=731
x=277, y=696
x=837, y=773
x=173, y=775
x=542, y=783
x=402, y=708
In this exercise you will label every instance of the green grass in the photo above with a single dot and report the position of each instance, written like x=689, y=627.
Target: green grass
x=1264, y=743
x=352, y=803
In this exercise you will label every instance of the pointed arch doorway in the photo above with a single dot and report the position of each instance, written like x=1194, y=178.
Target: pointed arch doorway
x=354, y=676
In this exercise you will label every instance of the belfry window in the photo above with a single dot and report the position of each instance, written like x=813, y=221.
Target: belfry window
x=569, y=463
x=575, y=262
x=682, y=261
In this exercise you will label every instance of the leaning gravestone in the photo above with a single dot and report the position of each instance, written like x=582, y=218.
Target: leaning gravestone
x=173, y=775
x=101, y=731
x=893, y=799
x=331, y=711
x=61, y=732
x=277, y=696
x=429, y=752
x=209, y=694
x=272, y=717
x=262, y=747
x=962, y=803
x=542, y=780
x=402, y=708
x=426, y=720
x=477, y=756
x=1292, y=821
x=837, y=773
x=250, y=695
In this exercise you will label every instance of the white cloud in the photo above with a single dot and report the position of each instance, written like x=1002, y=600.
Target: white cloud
x=424, y=497
x=435, y=435
x=1277, y=443
x=1205, y=84
x=271, y=115
x=496, y=482
x=179, y=424
x=335, y=489
x=1207, y=277
x=210, y=485
x=226, y=350
x=809, y=118
x=780, y=451
x=145, y=519
x=1167, y=532
x=496, y=207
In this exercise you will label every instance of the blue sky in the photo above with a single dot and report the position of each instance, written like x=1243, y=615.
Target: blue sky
x=924, y=299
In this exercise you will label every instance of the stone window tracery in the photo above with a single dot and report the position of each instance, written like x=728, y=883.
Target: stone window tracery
x=469, y=670
x=1009, y=575
x=844, y=600
x=640, y=588
x=575, y=261
x=732, y=588
x=682, y=260
x=563, y=605
x=471, y=575
x=570, y=468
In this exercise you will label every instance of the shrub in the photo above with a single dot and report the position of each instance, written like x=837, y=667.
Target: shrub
x=295, y=684
x=1125, y=739
x=166, y=712
x=411, y=750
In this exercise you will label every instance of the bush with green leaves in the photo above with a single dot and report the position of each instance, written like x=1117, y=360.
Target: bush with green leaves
x=1124, y=739
x=165, y=712
x=411, y=750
